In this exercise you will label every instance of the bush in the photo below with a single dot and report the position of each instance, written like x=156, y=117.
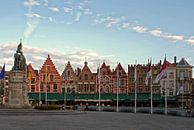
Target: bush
x=49, y=107
x=108, y=109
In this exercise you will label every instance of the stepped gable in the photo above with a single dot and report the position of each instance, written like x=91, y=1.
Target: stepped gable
x=86, y=70
x=68, y=73
x=183, y=62
x=53, y=82
x=50, y=68
x=168, y=64
x=30, y=69
x=105, y=67
x=120, y=69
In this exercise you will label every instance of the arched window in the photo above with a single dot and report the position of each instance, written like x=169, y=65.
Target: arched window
x=68, y=73
x=86, y=77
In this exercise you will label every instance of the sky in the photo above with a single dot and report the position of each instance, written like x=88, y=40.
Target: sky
x=96, y=30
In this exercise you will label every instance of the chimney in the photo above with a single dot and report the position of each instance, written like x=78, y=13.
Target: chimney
x=175, y=60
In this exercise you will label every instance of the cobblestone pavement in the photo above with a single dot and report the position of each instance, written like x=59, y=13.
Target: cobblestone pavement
x=94, y=121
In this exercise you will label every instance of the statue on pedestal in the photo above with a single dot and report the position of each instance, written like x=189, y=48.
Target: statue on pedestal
x=18, y=88
x=19, y=59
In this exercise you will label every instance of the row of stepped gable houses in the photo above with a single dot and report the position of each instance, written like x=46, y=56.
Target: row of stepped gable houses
x=81, y=86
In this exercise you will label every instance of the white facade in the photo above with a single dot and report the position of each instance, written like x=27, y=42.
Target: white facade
x=169, y=83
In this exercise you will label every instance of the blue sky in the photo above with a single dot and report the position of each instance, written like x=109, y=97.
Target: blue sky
x=111, y=30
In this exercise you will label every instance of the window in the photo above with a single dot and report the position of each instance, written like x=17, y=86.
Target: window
x=107, y=89
x=48, y=87
x=33, y=88
x=44, y=78
x=55, y=87
x=52, y=78
x=41, y=87
x=104, y=73
x=68, y=90
x=120, y=74
x=92, y=88
x=48, y=67
x=171, y=84
x=171, y=75
x=85, y=77
x=171, y=93
x=68, y=73
x=33, y=81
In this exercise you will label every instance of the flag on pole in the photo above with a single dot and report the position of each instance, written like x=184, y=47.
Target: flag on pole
x=149, y=73
x=2, y=74
x=29, y=75
x=180, y=91
x=162, y=73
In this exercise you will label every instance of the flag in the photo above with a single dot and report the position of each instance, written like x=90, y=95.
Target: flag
x=162, y=73
x=2, y=74
x=180, y=91
x=29, y=75
x=149, y=73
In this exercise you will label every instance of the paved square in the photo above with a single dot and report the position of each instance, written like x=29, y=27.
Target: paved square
x=95, y=121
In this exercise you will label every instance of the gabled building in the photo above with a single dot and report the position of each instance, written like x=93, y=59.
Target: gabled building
x=69, y=79
x=105, y=76
x=184, y=82
x=50, y=80
x=33, y=79
x=169, y=83
x=141, y=76
x=86, y=81
x=119, y=78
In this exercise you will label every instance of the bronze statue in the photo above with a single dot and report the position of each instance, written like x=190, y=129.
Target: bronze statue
x=19, y=59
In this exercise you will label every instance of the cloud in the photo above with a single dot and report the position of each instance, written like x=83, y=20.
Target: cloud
x=139, y=29
x=33, y=15
x=190, y=40
x=31, y=25
x=125, y=25
x=32, y=18
x=67, y=10
x=156, y=32
x=78, y=15
x=30, y=3
x=110, y=21
x=45, y=3
x=37, y=56
x=174, y=37
x=54, y=9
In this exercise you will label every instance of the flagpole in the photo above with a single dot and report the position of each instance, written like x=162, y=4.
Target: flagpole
x=136, y=86
x=182, y=101
x=151, y=87
x=39, y=96
x=46, y=86
x=99, y=88
x=117, y=90
x=166, y=111
x=166, y=102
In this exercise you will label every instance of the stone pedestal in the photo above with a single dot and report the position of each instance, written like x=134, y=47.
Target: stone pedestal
x=18, y=90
